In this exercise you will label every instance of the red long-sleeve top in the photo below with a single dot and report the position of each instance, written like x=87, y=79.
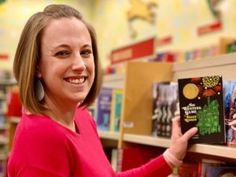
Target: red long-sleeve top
x=44, y=148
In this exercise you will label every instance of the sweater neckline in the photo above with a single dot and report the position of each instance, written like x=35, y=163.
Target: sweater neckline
x=77, y=131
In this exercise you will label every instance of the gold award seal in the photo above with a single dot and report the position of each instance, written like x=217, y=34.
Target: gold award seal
x=190, y=91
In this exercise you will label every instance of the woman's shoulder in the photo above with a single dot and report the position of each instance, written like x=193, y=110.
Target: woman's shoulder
x=38, y=128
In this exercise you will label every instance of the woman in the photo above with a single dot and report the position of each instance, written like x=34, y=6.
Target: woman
x=57, y=69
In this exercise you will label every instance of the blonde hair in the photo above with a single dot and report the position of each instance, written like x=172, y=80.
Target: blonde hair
x=28, y=54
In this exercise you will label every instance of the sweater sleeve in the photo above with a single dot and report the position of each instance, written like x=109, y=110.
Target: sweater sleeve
x=156, y=167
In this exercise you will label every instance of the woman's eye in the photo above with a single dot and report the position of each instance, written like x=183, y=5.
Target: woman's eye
x=86, y=53
x=62, y=54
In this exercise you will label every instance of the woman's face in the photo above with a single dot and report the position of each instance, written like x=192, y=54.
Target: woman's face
x=67, y=63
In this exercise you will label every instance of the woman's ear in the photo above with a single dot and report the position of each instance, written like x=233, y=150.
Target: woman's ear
x=38, y=73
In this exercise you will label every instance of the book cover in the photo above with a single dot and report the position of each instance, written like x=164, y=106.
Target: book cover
x=116, y=106
x=164, y=107
x=220, y=171
x=201, y=106
x=188, y=170
x=229, y=88
x=104, y=108
x=205, y=163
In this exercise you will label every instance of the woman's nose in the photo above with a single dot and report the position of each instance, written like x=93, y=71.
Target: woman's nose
x=78, y=63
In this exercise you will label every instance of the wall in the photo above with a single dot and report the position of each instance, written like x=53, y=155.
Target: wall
x=13, y=16
x=179, y=19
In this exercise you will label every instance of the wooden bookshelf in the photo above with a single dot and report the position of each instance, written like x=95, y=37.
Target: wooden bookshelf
x=222, y=151
x=109, y=135
x=133, y=125
x=147, y=140
x=223, y=65
x=3, y=140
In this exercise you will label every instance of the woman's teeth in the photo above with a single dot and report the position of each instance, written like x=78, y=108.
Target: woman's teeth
x=77, y=80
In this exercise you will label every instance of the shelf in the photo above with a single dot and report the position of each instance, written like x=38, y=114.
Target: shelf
x=147, y=140
x=3, y=156
x=14, y=120
x=3, y=140
x=113, y=81
x=220, y=65
x=8, y=82
x=214, y=150
x=109, y=135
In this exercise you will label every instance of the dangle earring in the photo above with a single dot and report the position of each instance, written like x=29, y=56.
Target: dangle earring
x=39, y=90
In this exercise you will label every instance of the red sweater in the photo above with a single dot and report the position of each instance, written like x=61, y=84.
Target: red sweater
x=44, y=148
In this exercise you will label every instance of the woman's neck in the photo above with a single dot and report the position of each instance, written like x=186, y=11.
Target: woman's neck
x=61, y=114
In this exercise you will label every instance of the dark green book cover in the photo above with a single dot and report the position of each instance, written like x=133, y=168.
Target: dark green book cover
x=201, y=105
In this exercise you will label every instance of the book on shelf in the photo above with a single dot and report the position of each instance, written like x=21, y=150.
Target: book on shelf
x=164, y=107
x=92, y=110
x=188, y=170
x=201, y=106
x=14, y=105
x=229, y=91
x=116, y=106
x=103, y=110
x=205, y=163
x=219, y=170
x=114, y=159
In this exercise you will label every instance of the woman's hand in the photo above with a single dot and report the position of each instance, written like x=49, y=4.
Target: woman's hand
x=179, y=143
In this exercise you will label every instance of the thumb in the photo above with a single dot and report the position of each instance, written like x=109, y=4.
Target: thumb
x=188, y=134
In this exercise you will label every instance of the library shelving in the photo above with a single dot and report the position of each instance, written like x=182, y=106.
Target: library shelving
x=109, y=135
x=136, y=106
x=5, y=84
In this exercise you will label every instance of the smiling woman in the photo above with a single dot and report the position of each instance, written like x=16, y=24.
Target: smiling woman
x=57, y=137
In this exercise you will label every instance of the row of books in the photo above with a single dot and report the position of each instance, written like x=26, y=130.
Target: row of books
x=207, y=168
x=205, y=102
x=185, y=56
x=107, y=109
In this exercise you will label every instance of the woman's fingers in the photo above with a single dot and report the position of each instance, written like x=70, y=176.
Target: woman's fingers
x=176, y=130
x=188, y=134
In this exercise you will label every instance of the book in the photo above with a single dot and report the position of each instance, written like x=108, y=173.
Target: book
x=164, y=107
x=229, y=90
x=103, y=110
x=220, y=171
x=201, y=106
x=204, y=164
x=116, y=106
x=188, y=170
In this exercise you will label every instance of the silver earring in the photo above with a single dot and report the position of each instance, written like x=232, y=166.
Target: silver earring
x=39, y=90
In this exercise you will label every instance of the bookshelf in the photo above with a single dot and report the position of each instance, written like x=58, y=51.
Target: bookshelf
x=136, y=126
x=213, y=150
x=110, y=135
